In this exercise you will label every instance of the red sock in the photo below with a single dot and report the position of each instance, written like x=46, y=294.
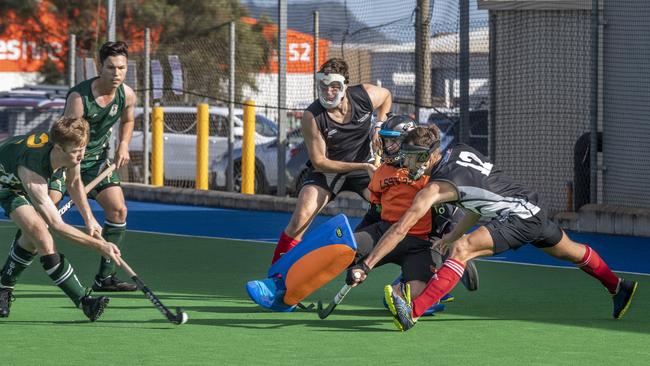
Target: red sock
x=285, y=243
x=597, y=268
x=442, y=282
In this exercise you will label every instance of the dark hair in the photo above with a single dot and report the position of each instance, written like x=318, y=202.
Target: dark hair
x=70, y=131
x=108, y=49
x=424, y=136
x=336, y=66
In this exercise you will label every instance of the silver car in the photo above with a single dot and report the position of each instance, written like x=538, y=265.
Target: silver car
x=266, y=166
x=179, y=147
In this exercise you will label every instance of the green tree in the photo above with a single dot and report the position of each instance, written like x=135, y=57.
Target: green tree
x=195, y=30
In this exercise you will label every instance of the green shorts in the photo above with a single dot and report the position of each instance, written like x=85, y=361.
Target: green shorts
x=89, y=171
x=11, y=200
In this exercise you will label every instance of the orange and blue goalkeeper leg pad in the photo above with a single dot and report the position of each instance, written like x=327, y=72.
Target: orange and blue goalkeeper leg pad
x=323, y=254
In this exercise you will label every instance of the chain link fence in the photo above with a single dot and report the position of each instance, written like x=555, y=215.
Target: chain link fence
x=624, y=104
x=537, y=84
x=377, y=42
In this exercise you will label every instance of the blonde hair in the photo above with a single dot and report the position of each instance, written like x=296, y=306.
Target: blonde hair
x=68, y=131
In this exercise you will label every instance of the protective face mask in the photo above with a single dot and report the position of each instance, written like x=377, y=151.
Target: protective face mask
x=325, y=81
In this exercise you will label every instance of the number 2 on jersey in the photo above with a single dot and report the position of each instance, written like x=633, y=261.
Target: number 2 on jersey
x=470, y=160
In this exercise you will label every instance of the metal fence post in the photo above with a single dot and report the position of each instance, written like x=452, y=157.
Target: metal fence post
x=231, y=111
x=282, y=95
x=422, y=57
x=72, y=54
x=110, y=20
x=593, y=115
x=463, y=113
x=316, y=63
x=146, y=110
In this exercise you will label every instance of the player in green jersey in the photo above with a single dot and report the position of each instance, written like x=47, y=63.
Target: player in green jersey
x=26, y=164
x=102, y=101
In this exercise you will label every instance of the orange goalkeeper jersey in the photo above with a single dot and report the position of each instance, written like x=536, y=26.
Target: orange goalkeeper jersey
x=391, y=188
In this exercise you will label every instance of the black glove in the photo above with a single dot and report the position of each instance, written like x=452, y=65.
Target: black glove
x=373, y=215
x=349, y=278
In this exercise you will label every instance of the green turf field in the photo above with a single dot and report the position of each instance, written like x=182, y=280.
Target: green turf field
x=522, y=315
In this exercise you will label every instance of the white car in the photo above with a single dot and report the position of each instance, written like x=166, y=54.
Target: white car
x=179, y=146
x=266, y=166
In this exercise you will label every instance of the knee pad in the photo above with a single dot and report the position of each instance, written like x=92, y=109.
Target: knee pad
x=51, y=260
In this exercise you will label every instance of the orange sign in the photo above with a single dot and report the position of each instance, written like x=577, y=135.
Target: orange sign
x=21, y=52
x=300, y=50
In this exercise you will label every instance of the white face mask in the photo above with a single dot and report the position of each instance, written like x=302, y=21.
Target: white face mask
x=327, y=82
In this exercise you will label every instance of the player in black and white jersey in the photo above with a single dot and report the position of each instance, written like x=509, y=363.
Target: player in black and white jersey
x=466, y=178
x=339, y=133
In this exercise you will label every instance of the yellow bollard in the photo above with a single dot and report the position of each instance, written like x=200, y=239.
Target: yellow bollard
x=157, y=166
x=248, y=150
x=202, y=133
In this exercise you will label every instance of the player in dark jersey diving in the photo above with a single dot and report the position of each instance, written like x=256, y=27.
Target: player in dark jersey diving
x=463, y=176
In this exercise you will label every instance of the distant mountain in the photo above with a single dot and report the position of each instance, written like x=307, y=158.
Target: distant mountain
x=336, y=21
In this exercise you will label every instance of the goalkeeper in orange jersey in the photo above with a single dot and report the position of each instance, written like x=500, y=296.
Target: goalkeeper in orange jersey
x=391, y=194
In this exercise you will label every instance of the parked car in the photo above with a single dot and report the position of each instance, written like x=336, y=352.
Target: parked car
x=179, y=148
x=30, y=109
x=297, y=168
x=266, y=166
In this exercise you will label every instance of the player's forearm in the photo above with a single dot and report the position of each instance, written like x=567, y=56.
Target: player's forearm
x=77, y=236
x=48, y=212
x=332, y=166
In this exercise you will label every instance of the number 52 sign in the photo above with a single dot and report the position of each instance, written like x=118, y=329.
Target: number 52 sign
x=299, y=52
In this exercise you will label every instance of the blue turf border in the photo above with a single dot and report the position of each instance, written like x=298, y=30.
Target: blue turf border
x=622, y=253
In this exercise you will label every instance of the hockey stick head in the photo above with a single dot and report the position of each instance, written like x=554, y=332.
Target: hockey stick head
x=305, y=307
x=325, y=312
x=179, y=318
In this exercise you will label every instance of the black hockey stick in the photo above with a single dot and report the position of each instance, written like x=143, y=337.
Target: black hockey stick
x=179, y=318
x=324, y=313
x=89, y=187
x=305, y=307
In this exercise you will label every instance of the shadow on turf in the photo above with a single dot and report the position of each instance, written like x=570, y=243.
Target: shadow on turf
x=99, y=323
x=334, y=322
x=353, y=320
x=36, y=294
x=257, y=324
x=362, y=325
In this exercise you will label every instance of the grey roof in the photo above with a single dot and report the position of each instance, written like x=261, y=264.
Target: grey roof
x=533, y=4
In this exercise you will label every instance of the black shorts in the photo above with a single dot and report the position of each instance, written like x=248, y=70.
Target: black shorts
x=513, y=232
x=413, y=254
x=356, y=181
